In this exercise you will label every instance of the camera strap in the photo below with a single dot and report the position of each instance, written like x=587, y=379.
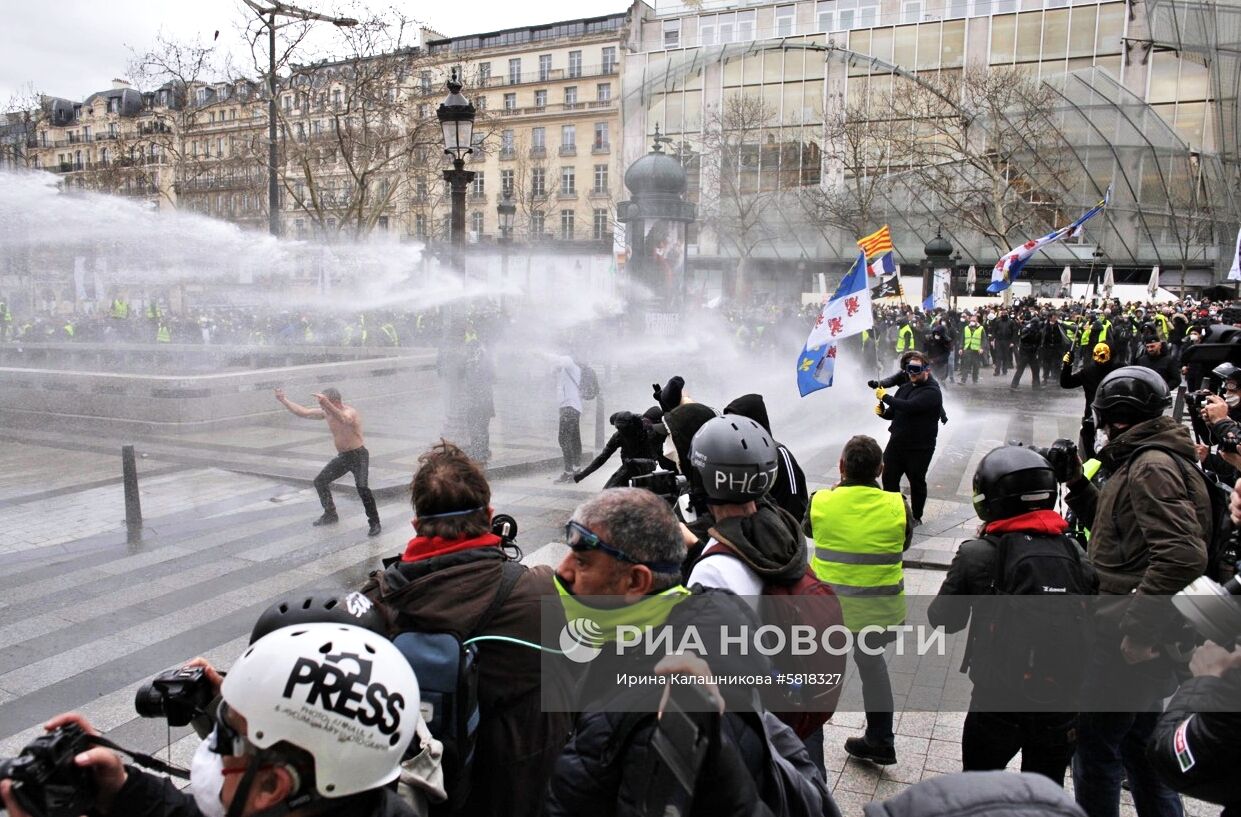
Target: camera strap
x=144, y=760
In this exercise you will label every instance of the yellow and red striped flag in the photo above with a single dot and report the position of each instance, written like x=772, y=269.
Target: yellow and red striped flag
x=878, y=242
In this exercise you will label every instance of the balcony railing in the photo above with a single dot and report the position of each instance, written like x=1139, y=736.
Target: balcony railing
x=538, y=153
x=566, y=195
x=557, y=108
x=568, y=150
x=507, y=153
x=556, y=75
x=600, y=148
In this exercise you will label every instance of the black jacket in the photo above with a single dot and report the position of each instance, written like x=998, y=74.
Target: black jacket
x=789, y=491
x=1088, y=377
x=605, y=769
x=1164, y=365
x=1206, y=711
x=634, y=443
x=148, y=795
x=915, y=412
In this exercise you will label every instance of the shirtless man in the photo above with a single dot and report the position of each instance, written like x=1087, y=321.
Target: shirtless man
x=346, y=426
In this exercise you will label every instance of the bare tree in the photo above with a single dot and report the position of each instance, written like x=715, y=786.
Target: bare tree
x=981, y=151
x=862, y=150
x=351, y=144
x=19, y=122
x=738, y=187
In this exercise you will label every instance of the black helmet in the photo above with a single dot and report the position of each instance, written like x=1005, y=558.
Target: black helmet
x=318, y=607
x=1013, y=480
x=1131, y=394
x=735, y=458
x=1225, y=372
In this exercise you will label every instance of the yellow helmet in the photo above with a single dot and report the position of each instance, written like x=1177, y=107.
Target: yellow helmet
x=1102, y=353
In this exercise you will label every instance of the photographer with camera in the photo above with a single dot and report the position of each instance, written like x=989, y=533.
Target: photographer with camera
x=455, y=577
x=306, y=725
x=1149, y=527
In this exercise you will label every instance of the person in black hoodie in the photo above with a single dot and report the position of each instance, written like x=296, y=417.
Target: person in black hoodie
x=915, y=411
x=692, y=509
x=789, y=490
x=635, y=446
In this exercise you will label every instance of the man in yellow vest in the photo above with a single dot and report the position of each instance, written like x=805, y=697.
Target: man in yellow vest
x=860, y=535
x=973, y=339
x=905, y=338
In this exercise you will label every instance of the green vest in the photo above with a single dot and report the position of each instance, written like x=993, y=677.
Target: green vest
x=973, y=338
x=163, y=335
x=120, y=309
x=153, y=311
x=1165, y=326
x=390, y=333
x=69, y=328
x=905, y=339
x=859, y=541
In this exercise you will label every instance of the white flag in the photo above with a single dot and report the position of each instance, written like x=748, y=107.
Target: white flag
x=971, y=278
x=1066, y=277
x=1153, y=286
x=1109, y=281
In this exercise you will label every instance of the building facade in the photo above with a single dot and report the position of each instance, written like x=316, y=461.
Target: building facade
x=996, y=120
x=547, y=131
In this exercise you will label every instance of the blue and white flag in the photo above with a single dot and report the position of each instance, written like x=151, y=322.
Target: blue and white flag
x=846, y=314
x=1009, y=267
x=928, y=303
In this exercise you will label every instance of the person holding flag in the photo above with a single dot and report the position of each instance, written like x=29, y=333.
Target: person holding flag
x=846, y=314
x=915, y=412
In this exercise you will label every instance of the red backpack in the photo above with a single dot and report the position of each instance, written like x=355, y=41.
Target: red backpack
x=807, y=687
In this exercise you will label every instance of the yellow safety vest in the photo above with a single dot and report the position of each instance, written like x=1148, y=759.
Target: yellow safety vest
x=973, y=338
x=163, y=335
x=390, y=332
x=859, y=541
x=69, y=329
x=905, y=339
x=1165, y=326
x=120, y=309
x=1102, y=338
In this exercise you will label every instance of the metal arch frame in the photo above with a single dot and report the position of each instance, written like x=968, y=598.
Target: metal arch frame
x=672, y=73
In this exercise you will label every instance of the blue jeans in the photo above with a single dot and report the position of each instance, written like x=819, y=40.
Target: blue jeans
x=1109, y=746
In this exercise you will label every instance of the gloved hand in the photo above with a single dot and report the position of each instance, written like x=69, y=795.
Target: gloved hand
x=879, y=409
x=656, y=391
x=1068, y=357
x=880, y=392
x=578, y=476
x=872, y=384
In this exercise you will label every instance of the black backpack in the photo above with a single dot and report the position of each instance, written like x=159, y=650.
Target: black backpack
x=447, y=671
x=1028, y=647
x=1220, y=547
x=589, y=385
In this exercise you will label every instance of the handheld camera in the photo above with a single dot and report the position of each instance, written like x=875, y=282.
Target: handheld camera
x=46, y=781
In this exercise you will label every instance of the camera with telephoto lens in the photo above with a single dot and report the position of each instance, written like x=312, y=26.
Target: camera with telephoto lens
x=1062, y=454
x=179, y=695
x=1213, y=609
x=46, y=781
x=667, y=485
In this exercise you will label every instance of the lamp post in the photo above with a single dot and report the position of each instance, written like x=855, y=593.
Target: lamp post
x=952, y=284
x=268, y=15
x=456, y=116
x=505, y=210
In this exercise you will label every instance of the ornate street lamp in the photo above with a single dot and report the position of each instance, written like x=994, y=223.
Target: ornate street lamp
x=506, y=210
x=456, y=116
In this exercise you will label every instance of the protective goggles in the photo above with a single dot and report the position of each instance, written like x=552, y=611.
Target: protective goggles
x=914, y=368
x=224, y=739
x=580, y=538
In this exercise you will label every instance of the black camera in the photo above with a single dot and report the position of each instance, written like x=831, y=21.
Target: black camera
x=665, y=484
x=1062, y=454
x=179, y=695
x=46, y=781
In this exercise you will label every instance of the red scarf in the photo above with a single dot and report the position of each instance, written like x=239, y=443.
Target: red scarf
x=1044, y=521
x=427, y=547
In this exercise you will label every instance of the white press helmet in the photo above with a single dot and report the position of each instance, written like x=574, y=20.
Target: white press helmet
x=340, y=693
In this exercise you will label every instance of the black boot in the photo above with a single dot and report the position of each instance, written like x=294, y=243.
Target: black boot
x=328, y=518
x=375, y=529
x=863, y=749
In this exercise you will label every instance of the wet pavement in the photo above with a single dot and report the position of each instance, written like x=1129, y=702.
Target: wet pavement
x=88, y=613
